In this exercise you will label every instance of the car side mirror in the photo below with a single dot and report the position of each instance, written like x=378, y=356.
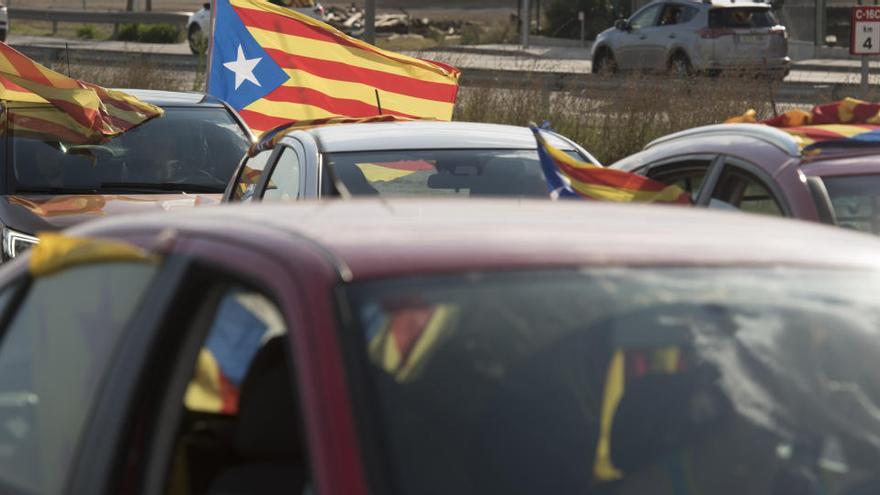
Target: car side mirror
x=206, y=5
x=622, y=24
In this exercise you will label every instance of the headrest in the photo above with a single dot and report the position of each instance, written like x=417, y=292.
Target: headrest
x=268, y=412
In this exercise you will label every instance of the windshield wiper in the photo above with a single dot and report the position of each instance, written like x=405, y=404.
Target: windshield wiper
x=161, y=186
x=54, y=190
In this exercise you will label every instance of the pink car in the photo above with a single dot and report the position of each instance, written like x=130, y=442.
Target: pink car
x=420, y=347
x=762, y=169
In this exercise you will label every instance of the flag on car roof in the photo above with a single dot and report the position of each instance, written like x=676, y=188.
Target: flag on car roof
x=271, y=137
x=568, y=177
x=848, y=119
x=87, y=112
x=275, y=65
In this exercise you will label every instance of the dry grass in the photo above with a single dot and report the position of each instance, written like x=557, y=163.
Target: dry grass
x=135, y=75
x=618, y=117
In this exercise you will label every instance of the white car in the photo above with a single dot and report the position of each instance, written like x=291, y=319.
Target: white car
x=4, y=21
x=198, y=26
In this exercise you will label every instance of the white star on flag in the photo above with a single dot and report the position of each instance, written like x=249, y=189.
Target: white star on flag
x=243, y=68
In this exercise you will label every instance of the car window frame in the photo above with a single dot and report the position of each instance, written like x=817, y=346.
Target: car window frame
x=713, y=171
x=822, y=199
x=299, y=151
x=764, y=179
x=233, y=185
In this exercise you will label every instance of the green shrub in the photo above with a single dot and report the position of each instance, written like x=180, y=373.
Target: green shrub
x=153, y=33
x=159, y=33
x=127, y=32
x=87, y=32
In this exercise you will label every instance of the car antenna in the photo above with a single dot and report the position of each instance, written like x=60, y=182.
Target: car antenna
x=378, y=101
x=67, y=52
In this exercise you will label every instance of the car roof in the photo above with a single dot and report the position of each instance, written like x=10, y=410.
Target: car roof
x=372, y=238
x=857, y=162
x=379, y=136
x=173, y=98
x=770, y=135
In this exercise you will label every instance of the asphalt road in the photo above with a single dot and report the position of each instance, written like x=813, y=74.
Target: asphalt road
x=817, y=72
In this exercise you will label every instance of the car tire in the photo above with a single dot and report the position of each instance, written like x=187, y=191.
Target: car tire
x=196, y=39
x=680, y=65
x=604, y=64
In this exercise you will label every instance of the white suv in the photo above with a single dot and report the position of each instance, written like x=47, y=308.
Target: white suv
x=198, y=26
x=686, y=36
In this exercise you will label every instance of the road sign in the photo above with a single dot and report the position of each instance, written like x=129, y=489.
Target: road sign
x=865, y=30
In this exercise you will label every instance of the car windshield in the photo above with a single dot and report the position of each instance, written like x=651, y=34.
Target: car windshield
x=665, y=381
x=187, y=149
x=742, y=17
x=441, y=172
x=856, y=201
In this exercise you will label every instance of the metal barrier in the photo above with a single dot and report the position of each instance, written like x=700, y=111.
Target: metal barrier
x=116, y=18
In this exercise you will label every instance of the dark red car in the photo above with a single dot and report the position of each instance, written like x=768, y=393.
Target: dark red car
x=421, y=347
x=762, y=169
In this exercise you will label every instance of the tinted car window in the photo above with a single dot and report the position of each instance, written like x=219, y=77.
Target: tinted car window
x=626, y=381
x=53, y=357
x=646, y=17
x=739, y=189
x=251, y=172
x=856, y=201
x=686, y=174
x=440, y=172
x=741, y=17
x=284, y=182
x=188, y=149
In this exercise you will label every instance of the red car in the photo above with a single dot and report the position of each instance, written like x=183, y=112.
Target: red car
x=762, y=169
x=421, y=347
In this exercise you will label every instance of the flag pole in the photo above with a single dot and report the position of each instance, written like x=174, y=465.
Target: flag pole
x=378, y=101
x=210, y=51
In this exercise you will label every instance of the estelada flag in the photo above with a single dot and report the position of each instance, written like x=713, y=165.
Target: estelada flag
x=572, y=178
x=87, y=112
x=847, y=119
x=275, y=65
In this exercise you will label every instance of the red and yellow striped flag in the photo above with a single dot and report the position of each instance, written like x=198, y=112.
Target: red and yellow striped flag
x=87, y=111
x=275, y=65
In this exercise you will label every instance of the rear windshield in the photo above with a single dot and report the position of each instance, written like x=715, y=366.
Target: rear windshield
x=741, y=17
x=856, y=201
x=187, y=149
x=440, y=172
x=623, y=381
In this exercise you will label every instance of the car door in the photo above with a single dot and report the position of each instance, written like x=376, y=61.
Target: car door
x=63, y=326
x=632, y=43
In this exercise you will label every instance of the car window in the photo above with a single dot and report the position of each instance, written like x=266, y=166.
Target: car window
x=284, y=183
x=662, y=381
x=672, y=14
x=249, y=177
x=186, y=149
x=53, y=356
x=856, y=201
x=241, y=426
x=686, y=174
x=741, y=18
x=746, y=192
x=445, y=172
x=646, y=17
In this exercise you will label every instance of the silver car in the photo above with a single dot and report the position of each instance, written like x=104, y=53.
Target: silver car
x=420, y=158
x=684, y=37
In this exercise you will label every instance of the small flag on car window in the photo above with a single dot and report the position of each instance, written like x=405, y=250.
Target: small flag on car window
x=568, y=177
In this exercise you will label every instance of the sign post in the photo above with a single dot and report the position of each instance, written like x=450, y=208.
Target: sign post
x=865, y=36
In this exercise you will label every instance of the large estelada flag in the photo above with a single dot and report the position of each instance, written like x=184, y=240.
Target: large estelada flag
x=846, y=120
x=87, y=112
x=275, y=65
x=570, y=178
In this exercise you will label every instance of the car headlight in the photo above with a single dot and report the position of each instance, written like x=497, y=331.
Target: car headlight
x=15, y=242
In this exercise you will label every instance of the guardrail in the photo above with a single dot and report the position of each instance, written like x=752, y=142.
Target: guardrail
x=115, y=18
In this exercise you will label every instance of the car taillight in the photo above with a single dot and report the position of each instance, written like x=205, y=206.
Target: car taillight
x=712, y=33
x=779, y=31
